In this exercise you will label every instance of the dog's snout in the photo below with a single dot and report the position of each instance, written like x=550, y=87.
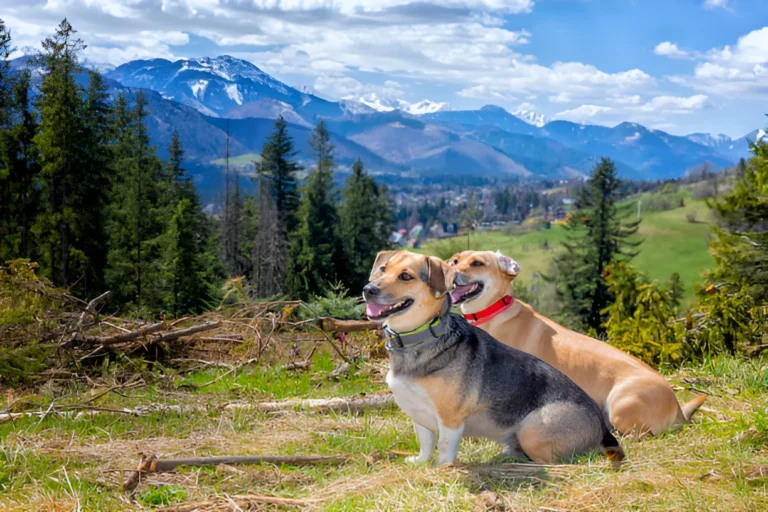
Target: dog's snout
x=371, y=290
x=461, y=279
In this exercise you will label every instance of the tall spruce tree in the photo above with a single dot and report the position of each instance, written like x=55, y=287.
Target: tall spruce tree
x=740, y=241
x=96, y=162
x=276, y=218
x=135, y=221
x=365, y=223
x=597, y=238
x=19, y=173
x=315, y=247
x=188, y=267
x=60, y=141
x=277, y=165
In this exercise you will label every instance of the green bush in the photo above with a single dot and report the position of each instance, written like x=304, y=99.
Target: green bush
x=335, y=304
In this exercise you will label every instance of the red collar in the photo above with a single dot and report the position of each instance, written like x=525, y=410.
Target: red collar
x=491, y=311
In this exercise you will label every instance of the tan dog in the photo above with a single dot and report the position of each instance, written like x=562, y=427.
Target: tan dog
x=455, y=380
x=636, y=398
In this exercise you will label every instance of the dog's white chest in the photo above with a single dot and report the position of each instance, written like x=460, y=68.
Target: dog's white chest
x=413, y=400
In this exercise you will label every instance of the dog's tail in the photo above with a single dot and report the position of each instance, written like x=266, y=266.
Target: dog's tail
x=691, y=407
x=612, y=450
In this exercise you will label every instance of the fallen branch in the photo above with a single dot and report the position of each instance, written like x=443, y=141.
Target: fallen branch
x=168, y=336
x=352, y=405
x=128, y=336
x=152, y=464
x=333, y=325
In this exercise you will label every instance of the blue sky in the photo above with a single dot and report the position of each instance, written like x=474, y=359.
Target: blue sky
x=678, y=65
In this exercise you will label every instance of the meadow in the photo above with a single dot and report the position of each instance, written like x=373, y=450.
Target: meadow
x=78, y=461
x=671, y=242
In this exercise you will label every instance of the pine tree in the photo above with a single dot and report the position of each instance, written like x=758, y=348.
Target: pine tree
x=186, y=259
x=740, y=241
x=365, y=221
x=276, y=217
x=95, y=175
x=135, y=222
x=19, y=173
x=315, y=247
x=59, y=141
x=597, y=238
x=276, y=164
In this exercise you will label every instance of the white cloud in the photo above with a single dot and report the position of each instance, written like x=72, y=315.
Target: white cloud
x=483, y=92
x=458, y=43
x=671, y=50
x=715, y=4
x=653, y=112
x=732, y=70
x=585, y=113
x=338, y=87
x=676, y=104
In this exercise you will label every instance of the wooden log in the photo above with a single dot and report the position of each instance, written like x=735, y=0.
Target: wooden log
x=333, y=325
x=152, y=464
x=353, y=405
x=128, y=336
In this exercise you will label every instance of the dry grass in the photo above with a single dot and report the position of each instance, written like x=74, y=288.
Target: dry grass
x=718, y=463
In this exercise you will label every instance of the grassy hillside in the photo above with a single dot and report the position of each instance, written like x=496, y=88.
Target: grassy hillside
x=671, y=243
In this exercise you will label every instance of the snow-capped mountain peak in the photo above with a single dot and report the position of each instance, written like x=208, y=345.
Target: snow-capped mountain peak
x=383, y=104
x=427, y=107
x=710, y=140
x=530, y=116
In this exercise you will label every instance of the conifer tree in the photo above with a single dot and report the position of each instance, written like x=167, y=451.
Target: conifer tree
x=365, y=222
x=597, y=238
x=95, y=171
x=277, y=165
x=19, y=173
x=134, y=223
x=315, y=247
x=59, y=141
x=740, y=241
x=186, y=260
x=276, y=218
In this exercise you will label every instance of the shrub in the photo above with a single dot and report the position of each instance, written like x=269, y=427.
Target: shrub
x=640, y=322
x=334, y=304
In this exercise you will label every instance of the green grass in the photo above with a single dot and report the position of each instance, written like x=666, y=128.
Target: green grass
x=56, y=464
x=239, y=161
x=670, y=244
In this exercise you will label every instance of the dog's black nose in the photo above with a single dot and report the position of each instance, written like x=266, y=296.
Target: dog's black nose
x=371, y=290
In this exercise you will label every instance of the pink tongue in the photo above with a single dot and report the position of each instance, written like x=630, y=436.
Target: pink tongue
x=373, y=310
x=459, y=291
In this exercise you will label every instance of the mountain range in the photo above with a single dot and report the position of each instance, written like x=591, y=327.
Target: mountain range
x=203, y=98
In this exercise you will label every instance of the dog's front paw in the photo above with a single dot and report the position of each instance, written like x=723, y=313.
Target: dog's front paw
x=415, y=459
x=444, y=462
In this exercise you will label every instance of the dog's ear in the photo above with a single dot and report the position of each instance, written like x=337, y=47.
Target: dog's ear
x=454, y=259
x=381, y=259
x=507, y=265
x=440, y=276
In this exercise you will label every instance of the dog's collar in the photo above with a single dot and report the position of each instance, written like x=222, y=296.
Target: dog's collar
x=491, y=311
x=423, y=335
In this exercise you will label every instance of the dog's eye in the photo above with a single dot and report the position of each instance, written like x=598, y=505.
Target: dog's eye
x=455, y=262
x=405, y=276
x=477, y=263
x=382, y=268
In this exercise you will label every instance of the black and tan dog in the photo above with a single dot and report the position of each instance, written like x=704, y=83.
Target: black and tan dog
x=455, y=380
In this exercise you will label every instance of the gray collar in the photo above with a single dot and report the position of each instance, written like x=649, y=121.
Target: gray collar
x=400, y=342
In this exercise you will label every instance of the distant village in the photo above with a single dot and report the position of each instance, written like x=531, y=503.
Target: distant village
x=434, y=212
